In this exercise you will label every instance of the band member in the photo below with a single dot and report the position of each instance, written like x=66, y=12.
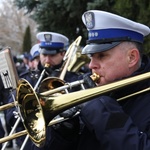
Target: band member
x=115, y=48
x=52, y=49
x=35, y=56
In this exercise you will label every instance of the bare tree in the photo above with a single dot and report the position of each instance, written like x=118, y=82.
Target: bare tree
x=13, y=23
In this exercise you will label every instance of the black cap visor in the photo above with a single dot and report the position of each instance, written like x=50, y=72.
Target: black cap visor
x=50, y=51
x=96, y=48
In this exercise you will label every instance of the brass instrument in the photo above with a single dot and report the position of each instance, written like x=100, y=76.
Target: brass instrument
x=70, y=54
x=78, y=61
x=38, y=110
x=35, y=88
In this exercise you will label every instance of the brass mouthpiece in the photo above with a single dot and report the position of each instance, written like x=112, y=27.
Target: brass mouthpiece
x=47, y=65
x=95, y=77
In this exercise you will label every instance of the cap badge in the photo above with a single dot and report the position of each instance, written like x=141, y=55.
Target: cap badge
x=48, y=37
x=89, y=19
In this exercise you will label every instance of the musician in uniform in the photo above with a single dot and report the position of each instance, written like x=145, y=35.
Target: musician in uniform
x=24, y=66
x=35, y=56
x=115, y=48
x=52, y=48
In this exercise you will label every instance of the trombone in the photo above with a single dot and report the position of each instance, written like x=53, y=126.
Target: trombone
x=38, y=110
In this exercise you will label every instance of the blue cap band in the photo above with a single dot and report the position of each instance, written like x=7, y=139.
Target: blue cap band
x=114, y=33
x=52, y=45
x=36, y=54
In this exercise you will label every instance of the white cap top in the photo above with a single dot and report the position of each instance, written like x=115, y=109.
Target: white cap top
x=105, y=27
x=35, y=50
x=51, y=42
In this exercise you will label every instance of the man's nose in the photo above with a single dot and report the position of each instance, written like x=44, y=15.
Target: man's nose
x=93, y=64
x=48, y=59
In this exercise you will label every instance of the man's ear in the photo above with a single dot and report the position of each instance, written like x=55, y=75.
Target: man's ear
x=63, y=53
x=133, y=56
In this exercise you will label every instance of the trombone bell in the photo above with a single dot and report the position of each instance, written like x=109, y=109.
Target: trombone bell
x=50, y=83
x=31, y=112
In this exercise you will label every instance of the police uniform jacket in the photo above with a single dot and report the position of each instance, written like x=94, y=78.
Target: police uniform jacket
x=111, y=125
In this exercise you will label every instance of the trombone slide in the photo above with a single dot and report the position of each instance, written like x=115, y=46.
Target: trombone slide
x=48, y=107
x=9, y=105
